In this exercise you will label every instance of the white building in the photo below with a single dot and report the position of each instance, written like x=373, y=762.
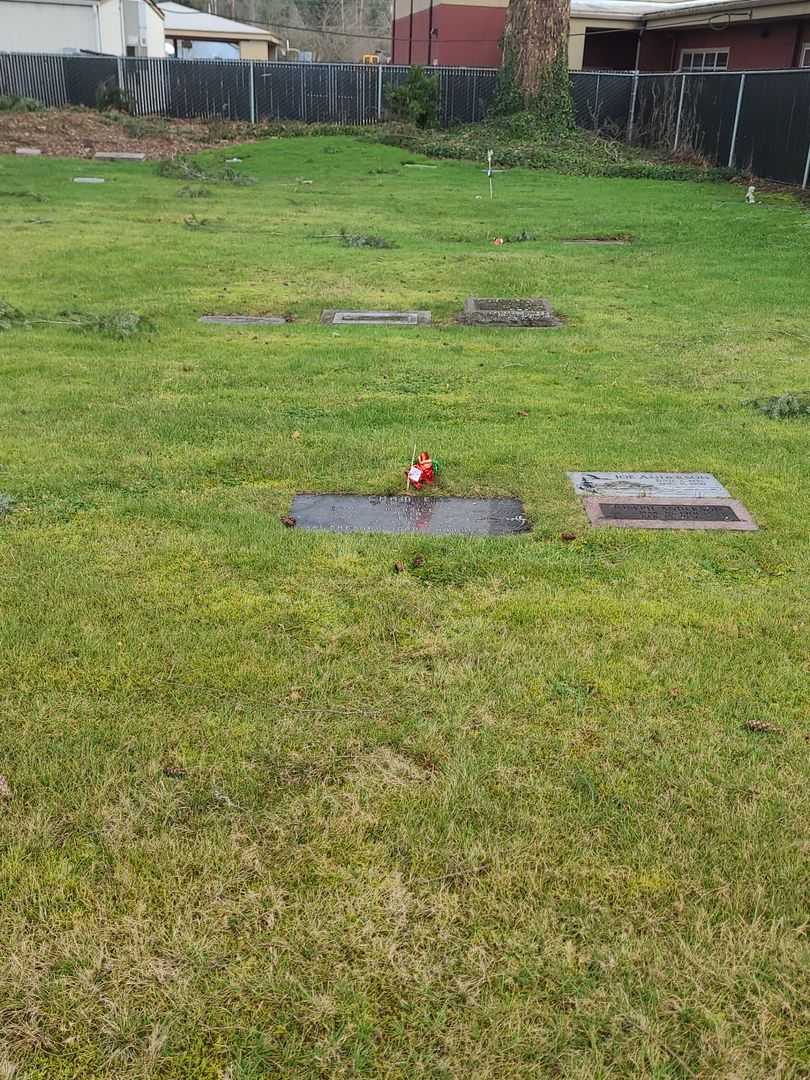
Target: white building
x=196, y=35
x=114, y=27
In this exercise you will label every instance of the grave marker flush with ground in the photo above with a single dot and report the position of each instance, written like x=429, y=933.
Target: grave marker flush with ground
x=490, y=311
x=333, y=317
x=652, y=500
x=245, y=320
x=430, y=515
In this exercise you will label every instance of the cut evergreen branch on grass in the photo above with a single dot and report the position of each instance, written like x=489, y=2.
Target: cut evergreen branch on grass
x=117, y=324
x=785, y=406
x=357, y=240
x=184, y=168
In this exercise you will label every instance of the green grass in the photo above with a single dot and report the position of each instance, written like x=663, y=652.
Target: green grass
x=497, y=816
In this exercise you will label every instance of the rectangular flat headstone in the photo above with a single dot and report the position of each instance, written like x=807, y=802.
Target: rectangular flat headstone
x=654, y=484
x=597, y=240
x=491, y=311
x=375, y=318
x=433, y=515
x=651, y=513
x=88, y=180
x=27, y=151
x=244, y=320
x=114, y=155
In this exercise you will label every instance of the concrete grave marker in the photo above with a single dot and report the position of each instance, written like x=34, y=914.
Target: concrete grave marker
x=375, y=318
x=431, y=515
x=88, y=180
x=27, y=151
x=115, y=155
x=598, y=240
x=654, y=484
x=245, y=320
x=656, y=513
x=532, y=312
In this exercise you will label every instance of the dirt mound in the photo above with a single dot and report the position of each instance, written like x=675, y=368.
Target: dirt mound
x=79, y=133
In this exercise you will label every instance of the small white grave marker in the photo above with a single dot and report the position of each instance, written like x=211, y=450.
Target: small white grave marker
x=27, y=151
x=115, y=155
x=88, y=180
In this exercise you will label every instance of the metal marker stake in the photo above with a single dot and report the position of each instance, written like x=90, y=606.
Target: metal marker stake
x=489, y=172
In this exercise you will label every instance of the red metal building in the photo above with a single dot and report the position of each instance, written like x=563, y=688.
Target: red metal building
x=617, y=35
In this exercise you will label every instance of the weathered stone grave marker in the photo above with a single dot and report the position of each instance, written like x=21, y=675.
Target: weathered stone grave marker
x=332, y=317
x=432, y=515
x=245, y=320
x=115, y=155
x=27, y=151
x=532, y=312
x=88, y=180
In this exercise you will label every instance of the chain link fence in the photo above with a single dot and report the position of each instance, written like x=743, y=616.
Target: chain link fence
x=753, y=121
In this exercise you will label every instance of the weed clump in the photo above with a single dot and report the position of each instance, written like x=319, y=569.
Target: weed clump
x=188, y=191
x=6, y=503
x=183, y=168
x=16, y=103
x=11, y=316
x=117, y=324
x=357, y=240
x=783, y=406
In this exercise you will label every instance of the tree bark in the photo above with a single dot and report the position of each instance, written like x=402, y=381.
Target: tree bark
x=535, y=42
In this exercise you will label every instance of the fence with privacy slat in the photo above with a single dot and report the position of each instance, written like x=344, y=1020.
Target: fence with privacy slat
x=756, y=121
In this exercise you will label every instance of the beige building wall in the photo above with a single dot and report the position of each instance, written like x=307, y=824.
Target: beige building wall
x=255, y=50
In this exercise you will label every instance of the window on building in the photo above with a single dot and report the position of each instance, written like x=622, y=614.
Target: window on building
x=805, y=60
x=704, y=60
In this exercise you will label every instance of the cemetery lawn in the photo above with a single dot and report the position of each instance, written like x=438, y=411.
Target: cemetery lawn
x=273, y=810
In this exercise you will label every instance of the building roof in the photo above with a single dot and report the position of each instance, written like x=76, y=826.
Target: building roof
x=641, y=10
x=184, y=21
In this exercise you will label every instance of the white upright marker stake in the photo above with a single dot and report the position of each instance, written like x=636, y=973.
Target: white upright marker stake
x=413, y=459
x=489, y=172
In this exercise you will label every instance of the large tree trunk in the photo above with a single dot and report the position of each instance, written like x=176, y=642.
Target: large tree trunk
x=535, y=56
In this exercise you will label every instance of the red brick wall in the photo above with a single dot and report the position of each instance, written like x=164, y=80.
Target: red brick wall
x=753, y=47
x=465, y=36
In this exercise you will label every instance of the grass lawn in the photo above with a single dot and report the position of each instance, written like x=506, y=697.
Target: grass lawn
x=276, y=811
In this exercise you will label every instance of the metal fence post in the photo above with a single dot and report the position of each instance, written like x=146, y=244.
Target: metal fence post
x=252, y=95
x=736, y=122
x=596, y=105
x=120, y=66
x=632, y=116
x=806, y=169
x=380, y=93
x=680, y=110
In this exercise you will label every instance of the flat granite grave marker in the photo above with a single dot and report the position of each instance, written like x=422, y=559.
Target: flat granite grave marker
x=490, y=311
x=27, y=151
x=433, y=515
x=332, y=317
x=654, y=484
x=245, y=320
x=656, y=513
x=88, y=180
x=115, y=155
